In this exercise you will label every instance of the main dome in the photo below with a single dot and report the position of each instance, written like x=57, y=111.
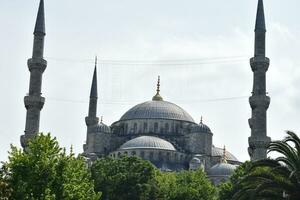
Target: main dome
x=157, y=110
x=148, y=142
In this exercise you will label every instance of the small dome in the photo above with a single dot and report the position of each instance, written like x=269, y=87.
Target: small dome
x=157, y=110
x=222, y=169
x=216, y=151
x=102, y=128
x=147, y=142
x=196, y=160
x=201, y=128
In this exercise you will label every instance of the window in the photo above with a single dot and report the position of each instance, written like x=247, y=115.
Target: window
x=145, y=126
x=135, y=127
x=166, y=127
x=155, y=127
x=125, y=128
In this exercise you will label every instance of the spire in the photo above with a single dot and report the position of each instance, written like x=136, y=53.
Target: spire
x=101, y=119
x=201, y=120
x=157, y=97
x=40, y=20
x=94, y=92
x=260, y=24
x=224, y=157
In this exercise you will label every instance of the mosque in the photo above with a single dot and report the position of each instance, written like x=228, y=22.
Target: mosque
x=157, y=130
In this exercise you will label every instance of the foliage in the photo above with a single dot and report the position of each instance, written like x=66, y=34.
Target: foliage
x=44, y=171
x=125, y=178
x=274, y=179
x=187, y=185
x=5, y=190
x=226, y=190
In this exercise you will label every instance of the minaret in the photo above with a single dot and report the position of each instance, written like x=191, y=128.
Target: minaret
x=92, y=118
x=259, y=101
x=34, y=102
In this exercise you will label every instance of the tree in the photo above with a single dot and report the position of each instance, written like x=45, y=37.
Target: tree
x=226, y=190
x=125, y=178
x=5, y=190
x=44, y=171
x=187, y=185
x=274, y=179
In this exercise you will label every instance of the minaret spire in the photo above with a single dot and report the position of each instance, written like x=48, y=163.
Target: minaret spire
x=34, y=102
x=40, y=22
x=157, y=96
x=94, y=92
x=259, y=101
x=92, y=120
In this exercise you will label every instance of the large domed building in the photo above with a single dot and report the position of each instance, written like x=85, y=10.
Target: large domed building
x=157, y=130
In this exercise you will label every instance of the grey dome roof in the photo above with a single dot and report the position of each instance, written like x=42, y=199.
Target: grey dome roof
x=157, y=110
x=201, y=128
x=222, y=169
x=102, y=128
x=216, y=151
x=147, y=142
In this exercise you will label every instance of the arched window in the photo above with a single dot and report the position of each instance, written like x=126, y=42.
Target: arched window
x=135, y=127
x=166, y=127
x=155, y=127
x=177, y=128
x=142, y=154
x=125, y=128
x=145, y=127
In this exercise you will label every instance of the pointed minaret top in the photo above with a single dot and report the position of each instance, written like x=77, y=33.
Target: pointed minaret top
x=260, y=17
x=157, y=97
x=94, y=92
x=224, y=157
x=40, y=20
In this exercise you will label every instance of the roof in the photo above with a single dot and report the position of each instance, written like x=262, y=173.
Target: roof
x=201, y=128
x=147, y=142
x=216, y=151
x=157, y=110
x=221, y=169
x=102, y=128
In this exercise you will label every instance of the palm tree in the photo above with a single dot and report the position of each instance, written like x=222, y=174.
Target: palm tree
x=274, y=178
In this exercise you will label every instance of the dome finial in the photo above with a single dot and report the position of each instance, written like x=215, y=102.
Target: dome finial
x=224, y=157
x=201, y=120
x=101, y=120
x=157, y=97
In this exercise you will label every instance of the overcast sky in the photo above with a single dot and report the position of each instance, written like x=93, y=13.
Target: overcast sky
x=207, y=45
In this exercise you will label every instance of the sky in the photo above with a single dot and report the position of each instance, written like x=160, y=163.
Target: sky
x=201, y=50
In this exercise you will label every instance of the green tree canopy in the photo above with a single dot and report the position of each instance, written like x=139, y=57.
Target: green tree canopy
x=187, y=185
x=125, y=178
x=44, y=171
x=274, y=178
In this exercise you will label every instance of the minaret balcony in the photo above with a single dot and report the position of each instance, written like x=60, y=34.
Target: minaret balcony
x=259, y=100
x=34, y=102
x=260, y=63
x=37, y=64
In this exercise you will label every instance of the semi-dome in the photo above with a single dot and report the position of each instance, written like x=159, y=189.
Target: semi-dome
x=157, y=110
x=147, y=142
x=221, y=169
x=216, y=151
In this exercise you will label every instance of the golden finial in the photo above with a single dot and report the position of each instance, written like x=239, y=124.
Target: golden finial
x=157, y=97
x=224, y=157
